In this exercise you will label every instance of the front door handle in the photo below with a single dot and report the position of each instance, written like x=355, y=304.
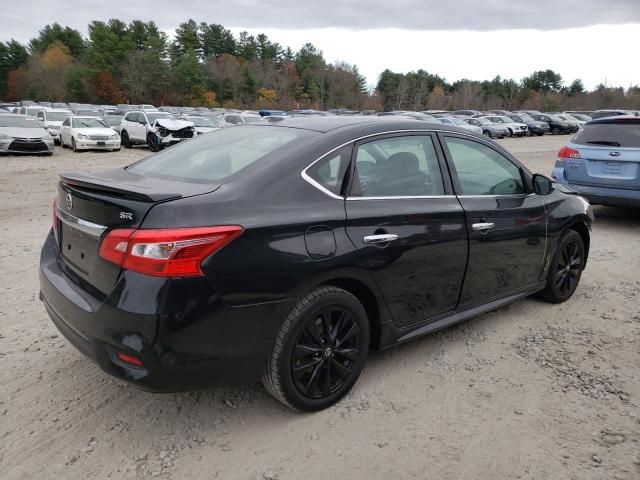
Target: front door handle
x=483, y=226
x=382, y=238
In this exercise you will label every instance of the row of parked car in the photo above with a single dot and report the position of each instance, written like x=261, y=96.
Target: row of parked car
x=109, y=127
x=36, y=128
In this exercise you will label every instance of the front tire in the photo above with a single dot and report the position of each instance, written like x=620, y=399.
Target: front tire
x=153, y=142
x=555, y=131
x=73, y=145
x=566, y=268
x=320, y=350
x=124, y=140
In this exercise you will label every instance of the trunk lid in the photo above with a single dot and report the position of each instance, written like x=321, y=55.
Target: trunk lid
x=605, y=166
x=91, y=204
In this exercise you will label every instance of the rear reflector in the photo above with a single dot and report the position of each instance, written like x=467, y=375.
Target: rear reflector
x=130, y=359
x=176, y=252
x=566, y=152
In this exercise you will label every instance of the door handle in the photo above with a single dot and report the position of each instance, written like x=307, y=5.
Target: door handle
x=382, y=238
x=483, y=227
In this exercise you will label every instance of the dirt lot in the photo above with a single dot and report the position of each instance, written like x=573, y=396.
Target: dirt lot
x=532, y=391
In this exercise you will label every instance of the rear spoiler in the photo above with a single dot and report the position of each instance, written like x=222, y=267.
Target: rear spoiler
x=111, y=183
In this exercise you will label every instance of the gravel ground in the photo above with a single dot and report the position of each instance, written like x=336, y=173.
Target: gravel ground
x=531, y=391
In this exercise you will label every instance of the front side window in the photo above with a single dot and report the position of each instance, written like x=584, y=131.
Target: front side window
x=483, y=171
x=397, y=167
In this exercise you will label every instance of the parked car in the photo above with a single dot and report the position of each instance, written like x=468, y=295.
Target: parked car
x=24, y=134
x=88, y=133
x=570, y=119
x=506, y=113
x=238, y=118
x=459, y=123
x=556, y=124
x=155, y=129
x=602, y=161
x=52, y=119
x=608, y=113
x=246, y=253
x=534, y=126
x=201, y=123
x=516, y=129
x=114, y=122
x=32, y=111
x=578, y=116
x=469, y=113
x=489, y=128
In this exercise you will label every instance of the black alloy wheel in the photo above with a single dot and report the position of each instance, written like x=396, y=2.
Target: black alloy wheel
x=487, y=133
x=555, y=131
x=320, y=350
x=566, y=268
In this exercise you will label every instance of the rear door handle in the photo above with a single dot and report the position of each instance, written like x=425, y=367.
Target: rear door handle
x=483, y=226
x=382, y=238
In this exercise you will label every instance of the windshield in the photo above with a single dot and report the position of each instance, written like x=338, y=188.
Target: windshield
x=34, y=111
x=483, y=121
x=158, y=116
x=505, y=119
x=526, y=117
x=609, y=134
x=457, y=121
x=252, y=118
x=555, y=118
x=201, y=122
x=89, y=123
x=57, y=116
x=18, y=122
x=217, y=155
x=497, y=120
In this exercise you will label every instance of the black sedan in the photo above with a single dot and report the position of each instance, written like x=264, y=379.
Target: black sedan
x=556, y=124
x=287, y=250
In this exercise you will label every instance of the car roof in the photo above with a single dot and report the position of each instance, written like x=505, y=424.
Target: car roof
x=360, y=125
x=624, y=119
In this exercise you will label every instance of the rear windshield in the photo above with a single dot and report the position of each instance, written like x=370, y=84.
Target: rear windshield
x=609, y=134
x=217, y=155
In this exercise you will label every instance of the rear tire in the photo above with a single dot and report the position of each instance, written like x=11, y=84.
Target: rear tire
x=555, y=131
x=62, y=142
x=487, y=133
x=320, y=350
x=566, y=268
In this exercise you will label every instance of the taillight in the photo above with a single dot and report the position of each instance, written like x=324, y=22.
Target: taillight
x=176, y=252
x=566, y=152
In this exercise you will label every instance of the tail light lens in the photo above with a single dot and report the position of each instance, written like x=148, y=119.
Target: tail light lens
x=566, y=152
x=165, y=252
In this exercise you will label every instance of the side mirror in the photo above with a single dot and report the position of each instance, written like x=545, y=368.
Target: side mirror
x=542, y=185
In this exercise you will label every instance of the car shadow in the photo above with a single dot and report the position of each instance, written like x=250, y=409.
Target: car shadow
x=620, y=216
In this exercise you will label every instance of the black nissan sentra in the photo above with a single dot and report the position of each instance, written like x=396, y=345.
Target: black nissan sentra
x=286, y=251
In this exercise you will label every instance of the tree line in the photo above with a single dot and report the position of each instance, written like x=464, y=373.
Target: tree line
x=206, y=65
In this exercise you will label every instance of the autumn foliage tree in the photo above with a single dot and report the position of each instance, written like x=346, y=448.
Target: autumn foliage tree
x=107, y=90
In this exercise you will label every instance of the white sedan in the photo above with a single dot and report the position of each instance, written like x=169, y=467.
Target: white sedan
x=88, y=133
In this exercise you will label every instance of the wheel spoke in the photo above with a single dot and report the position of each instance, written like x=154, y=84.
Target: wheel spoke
x=335, y=331
x=326, y=385
x=308, y=365
x=314, y=333
x=348, y=353
x=343, y=372
x=351, y=331
x=326, y=325
x=302, y=350
x=315, y=375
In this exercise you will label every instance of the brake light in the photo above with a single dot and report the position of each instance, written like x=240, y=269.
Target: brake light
x=174, y=252
x=566, y=152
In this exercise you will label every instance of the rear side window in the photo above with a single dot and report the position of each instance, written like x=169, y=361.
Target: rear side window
x=397, y=167
x=330, y=171
x=610, y=134
x=219, y=154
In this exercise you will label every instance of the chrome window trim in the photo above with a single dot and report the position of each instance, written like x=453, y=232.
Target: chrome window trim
x=84, y=226
x=305, y=176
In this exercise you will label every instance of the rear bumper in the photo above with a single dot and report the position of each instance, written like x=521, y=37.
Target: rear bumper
x=181, y=331
x=616, y=197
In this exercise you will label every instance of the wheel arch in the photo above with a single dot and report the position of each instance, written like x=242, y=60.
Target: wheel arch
x=367, y=298
x=582, y=229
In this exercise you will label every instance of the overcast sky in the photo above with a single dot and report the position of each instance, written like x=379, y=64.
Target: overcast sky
x=596, y=40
